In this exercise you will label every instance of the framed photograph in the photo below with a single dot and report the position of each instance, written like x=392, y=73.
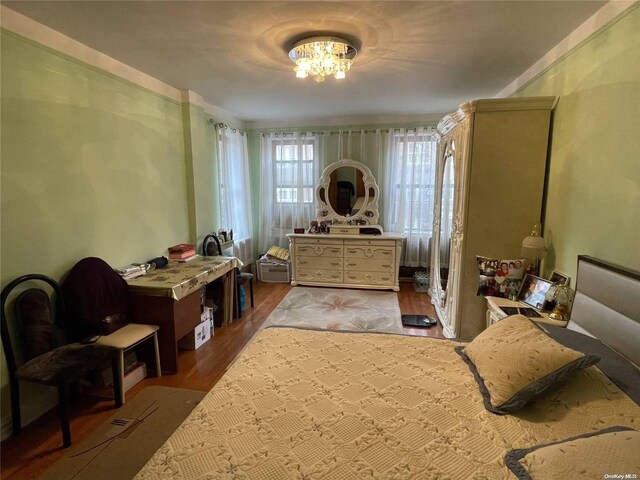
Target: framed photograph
x=559, y=278
x=533, y=291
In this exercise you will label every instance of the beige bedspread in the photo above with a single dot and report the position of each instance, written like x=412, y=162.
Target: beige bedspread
x=316, y=404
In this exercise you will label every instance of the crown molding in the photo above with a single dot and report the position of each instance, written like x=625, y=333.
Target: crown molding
x=430, y=118
x=506, y=104
x=39, y=33
x=609, y=12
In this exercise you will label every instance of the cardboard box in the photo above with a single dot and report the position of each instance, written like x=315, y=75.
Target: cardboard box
x=207, y=316
x=198, y=337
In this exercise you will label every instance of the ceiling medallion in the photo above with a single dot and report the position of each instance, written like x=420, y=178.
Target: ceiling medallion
x=320, y=57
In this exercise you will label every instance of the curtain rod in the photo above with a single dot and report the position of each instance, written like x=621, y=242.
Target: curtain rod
x=211, y=121
x=384, y=130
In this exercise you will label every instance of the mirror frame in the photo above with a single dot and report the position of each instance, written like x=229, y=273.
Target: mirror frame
x=453, y=129
x=441, y=296
x=326, y=213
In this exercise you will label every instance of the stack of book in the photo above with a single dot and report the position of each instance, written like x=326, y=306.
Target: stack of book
x=132, y=271
x=182, y=252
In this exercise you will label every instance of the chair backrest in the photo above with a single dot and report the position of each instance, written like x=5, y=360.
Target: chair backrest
x=96, y=298
x=40, y=330
x=211, y=246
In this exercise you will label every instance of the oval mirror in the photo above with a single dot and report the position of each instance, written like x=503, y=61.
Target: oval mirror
x=347, y=193
x=346, y=189
x=446, y=217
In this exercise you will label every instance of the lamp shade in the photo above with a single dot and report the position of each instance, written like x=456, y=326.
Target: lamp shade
x=533, y=245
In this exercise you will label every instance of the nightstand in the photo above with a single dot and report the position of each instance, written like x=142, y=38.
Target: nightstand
x=495, y=312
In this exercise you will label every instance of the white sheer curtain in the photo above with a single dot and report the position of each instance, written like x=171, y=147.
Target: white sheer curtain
x=234, y=191
x=290, y=170
x=364, y=146
x=408, y=191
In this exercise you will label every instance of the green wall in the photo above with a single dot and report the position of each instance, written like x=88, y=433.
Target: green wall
x=92, y=165
x=593, y=189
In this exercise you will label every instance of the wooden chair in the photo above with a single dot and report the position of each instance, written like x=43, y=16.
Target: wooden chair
x=44, y=355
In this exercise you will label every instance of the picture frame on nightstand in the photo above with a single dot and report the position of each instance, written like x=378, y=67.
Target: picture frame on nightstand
x=533, y=291
x=559, y=278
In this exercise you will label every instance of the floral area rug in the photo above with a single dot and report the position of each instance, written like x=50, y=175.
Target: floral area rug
x=338, y=309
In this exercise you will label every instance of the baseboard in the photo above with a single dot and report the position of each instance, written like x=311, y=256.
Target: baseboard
x=41, y=404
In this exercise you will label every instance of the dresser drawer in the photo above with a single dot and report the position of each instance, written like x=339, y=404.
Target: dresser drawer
x=320, y=250
x=357, y=251
x=369, y=278
x=322, y=263
x=323, y=276
x=369, y=265
x=321, y=240
x=368, y=243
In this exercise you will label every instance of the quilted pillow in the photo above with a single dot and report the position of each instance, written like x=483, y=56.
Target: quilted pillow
x=500, y=278
x=514, y=362
x=593, y=455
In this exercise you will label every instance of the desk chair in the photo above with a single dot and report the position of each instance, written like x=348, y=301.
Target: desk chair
x=97, y=300
x=241, y=279
x=46, y=357
x=211, y=247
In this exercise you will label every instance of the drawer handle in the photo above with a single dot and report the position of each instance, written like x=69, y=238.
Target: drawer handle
x=302, y=261
x=386, y=252
x=386, y=266
x=351, y=264
x=334, y=276
x=335, y=263
x=386, y=279
x=335, y=250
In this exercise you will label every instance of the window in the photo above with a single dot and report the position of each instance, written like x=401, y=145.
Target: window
x=414, y=183
x=293, y=165
x=290, y=165
x=412, y=165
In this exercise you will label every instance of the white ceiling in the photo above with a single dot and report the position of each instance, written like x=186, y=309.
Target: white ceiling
x=417, y=57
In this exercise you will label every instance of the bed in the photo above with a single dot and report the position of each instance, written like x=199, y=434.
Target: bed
x=317, y=404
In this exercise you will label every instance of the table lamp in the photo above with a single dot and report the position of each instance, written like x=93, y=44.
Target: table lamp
x=534, y=248
x=563, y=297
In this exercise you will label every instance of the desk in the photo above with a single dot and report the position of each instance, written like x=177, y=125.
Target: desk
x=170, y=298
x=495, y=312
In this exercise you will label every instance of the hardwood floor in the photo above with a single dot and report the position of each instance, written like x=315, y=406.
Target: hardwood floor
x=40, y=445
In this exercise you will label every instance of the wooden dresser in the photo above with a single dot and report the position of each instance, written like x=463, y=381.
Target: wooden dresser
x=347, y=261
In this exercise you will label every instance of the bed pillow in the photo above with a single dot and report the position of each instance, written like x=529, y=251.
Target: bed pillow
x=616, y=367
x=514, y=362
x=593, y=455
x=500, y=278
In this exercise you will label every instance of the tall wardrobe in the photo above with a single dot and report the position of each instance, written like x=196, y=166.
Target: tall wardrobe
x=490, y=176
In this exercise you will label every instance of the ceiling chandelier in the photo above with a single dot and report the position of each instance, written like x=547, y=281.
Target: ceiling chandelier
x=321, y=57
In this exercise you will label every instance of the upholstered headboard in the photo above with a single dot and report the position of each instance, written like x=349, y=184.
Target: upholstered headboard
x=607, y=305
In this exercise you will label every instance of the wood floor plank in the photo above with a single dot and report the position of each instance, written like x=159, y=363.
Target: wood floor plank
x=29, y=454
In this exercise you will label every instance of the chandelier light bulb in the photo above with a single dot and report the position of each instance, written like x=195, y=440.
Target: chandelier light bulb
x=320, y=57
